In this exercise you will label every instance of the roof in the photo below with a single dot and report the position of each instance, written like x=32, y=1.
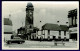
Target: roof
x=55, y=27
x=36, y=28
x=7, y=21
x=49, y=26
x=29, y=5
x=64, y=27
x=21, y=28
x=72, y=13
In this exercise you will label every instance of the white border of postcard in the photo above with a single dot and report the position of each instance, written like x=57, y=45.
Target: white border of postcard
x=6, y=48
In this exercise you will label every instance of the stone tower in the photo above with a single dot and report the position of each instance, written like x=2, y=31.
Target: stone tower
x=29, y=17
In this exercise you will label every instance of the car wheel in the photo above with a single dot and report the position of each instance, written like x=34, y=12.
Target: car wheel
x=9, y=42
x=20, y=42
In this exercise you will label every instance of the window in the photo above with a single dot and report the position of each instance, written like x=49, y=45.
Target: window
x=64, y=33
x=74, y=21
x=70, y=21
x=49, y=32
x=59, y=32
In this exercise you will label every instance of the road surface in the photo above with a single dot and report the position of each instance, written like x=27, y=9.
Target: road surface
x=42, y=44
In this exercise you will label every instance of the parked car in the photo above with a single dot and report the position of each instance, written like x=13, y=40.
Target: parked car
x=15, y=40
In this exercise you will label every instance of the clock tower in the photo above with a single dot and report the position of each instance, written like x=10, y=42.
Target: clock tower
x=29, y=17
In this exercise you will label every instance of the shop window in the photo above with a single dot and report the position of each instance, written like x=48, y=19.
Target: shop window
x=76, y=21
x=49, y=32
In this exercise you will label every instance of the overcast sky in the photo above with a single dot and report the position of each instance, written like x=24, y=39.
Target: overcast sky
x=47, y=12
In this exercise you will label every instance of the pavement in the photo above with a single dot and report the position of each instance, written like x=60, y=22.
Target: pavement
x=42, y=44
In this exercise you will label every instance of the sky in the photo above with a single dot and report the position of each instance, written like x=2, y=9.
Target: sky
x=46, y=12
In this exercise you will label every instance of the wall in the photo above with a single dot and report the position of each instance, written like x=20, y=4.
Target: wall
x=39, y=34
x=7, y=28
x=67, y=35
x=52, y=33
x=46, y=34
x=7, y=36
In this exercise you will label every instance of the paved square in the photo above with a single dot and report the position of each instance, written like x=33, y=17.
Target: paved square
x=42, y=44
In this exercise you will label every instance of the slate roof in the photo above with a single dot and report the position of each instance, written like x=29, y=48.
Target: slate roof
x=64, y=27
x=7, y=21
x=49, y=26
x=54, y=27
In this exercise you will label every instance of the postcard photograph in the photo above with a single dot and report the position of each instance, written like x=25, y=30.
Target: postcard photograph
x=37, y=25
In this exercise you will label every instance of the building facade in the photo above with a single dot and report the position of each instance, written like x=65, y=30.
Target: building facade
x=56, y=32
x=21, y=31
x=53, y=32
x=7, y=29
x=72, y=16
